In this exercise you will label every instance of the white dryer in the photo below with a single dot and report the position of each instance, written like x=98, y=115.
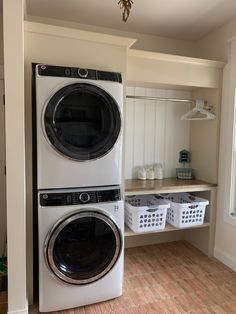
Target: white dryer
x=80, y=247
x=79, y=123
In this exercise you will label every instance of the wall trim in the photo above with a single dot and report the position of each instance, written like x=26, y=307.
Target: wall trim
x=13, y=37
x=66, y=32
x=23, y=311
x=225, y=258
x=174, y=58
x=1, y=71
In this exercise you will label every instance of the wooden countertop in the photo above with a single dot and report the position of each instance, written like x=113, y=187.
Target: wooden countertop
x=134, y=186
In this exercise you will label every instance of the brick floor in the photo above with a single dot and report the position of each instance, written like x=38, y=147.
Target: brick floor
x=169, y=278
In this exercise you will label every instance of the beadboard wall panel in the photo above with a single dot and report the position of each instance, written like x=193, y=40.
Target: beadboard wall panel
x=154, y=131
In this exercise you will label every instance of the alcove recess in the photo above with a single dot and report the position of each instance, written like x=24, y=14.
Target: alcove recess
x=156, y=74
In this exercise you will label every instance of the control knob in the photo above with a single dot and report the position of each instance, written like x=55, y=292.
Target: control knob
x=83, y=73
x=84, y=197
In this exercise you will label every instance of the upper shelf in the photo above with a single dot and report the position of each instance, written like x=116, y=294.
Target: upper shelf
x=170, y=185
x=157, y=68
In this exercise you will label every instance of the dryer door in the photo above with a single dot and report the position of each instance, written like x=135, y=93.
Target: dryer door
x=83, y=247
x=82, y=121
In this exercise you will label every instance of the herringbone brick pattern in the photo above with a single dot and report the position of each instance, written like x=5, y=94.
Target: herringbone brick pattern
x=169, y=278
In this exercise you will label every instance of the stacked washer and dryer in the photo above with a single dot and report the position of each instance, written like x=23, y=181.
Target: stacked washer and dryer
x=80, y=208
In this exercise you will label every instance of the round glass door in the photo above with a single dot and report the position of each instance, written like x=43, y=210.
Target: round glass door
x=82, y=121
x=84, y=247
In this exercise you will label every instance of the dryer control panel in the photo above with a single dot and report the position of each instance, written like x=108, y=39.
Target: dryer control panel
x=81, y=73
x=78, y=198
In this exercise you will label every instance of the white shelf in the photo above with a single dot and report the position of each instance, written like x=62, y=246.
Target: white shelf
x=168, y=228
x=174, y=58
x=153, y=68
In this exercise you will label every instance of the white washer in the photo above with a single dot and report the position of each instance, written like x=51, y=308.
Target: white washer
x=79, y=123
x=80, y=247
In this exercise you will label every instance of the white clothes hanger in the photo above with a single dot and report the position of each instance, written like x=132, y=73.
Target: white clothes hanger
x=200, y=112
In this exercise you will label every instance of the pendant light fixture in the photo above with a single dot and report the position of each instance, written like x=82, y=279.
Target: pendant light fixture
x=125, y=5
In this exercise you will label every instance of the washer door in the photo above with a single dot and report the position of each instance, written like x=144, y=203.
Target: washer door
x=82, y=121
x=84, y=247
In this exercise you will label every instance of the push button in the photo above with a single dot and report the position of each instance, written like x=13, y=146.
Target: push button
x=67, y=72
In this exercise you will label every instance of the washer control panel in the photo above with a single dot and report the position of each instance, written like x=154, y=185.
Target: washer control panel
x=78, y=198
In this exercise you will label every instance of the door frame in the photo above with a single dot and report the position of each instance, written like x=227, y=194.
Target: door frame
x=3, y=210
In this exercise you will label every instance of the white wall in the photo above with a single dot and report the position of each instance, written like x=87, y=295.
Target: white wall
x=204, y=137
x=15, y=153
x=154, y=130
x=216, y=46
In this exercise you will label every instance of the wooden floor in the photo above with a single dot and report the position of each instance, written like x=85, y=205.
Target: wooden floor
x=169, y=278
x=3, y=302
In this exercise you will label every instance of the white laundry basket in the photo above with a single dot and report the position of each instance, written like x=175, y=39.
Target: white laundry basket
x=144, y=213
x=185, y=210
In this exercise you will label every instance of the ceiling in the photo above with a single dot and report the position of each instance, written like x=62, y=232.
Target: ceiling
x=180, y=19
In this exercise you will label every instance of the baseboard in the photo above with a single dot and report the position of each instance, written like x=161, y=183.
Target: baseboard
x=225, y=258
x=23, y=311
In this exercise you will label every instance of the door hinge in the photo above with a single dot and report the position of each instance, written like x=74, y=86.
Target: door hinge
x=5, y=170
x=3, y=99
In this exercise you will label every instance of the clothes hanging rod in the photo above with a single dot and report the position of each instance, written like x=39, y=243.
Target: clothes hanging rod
x=160, y=98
